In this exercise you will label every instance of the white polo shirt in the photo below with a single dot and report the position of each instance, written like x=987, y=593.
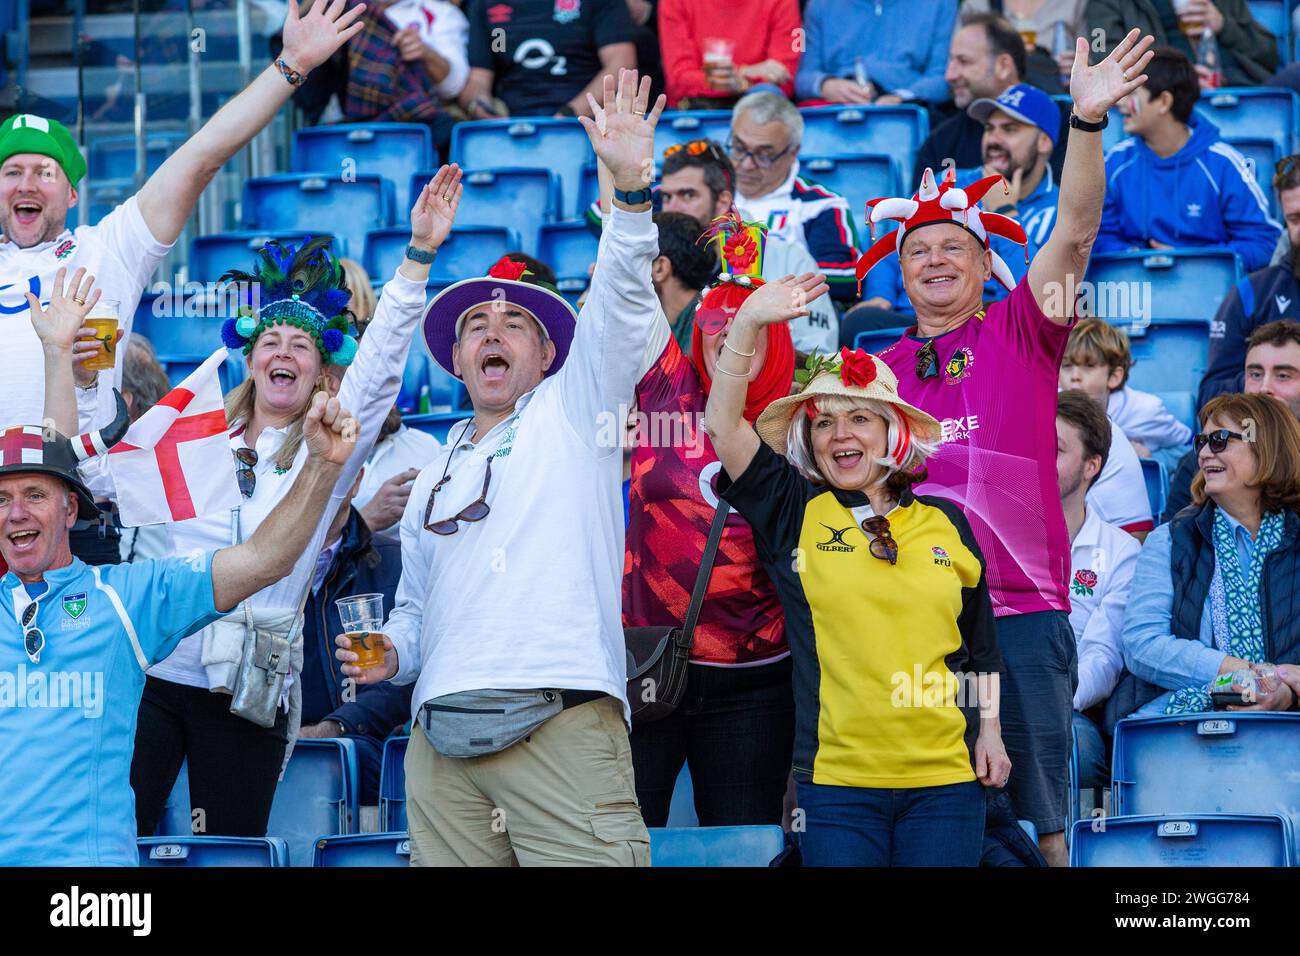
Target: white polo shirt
x=1119, y=495
x=1102, y=559
x=530, y=596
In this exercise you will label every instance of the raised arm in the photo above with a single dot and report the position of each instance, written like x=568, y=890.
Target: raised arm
x=271, y=552
x=168, y=197
x=1094, y=89
x=57, y=328
x=734, y=439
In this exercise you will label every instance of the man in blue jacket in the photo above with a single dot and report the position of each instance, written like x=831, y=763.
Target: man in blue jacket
x=1173, y=183
x=353, y=561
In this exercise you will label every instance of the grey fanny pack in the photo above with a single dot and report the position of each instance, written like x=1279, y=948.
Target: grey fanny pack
x=476, y=723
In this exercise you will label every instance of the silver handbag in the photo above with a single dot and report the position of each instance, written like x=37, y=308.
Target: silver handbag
x=263, y=664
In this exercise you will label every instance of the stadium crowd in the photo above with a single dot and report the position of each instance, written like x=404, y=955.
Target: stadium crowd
x=906, y=585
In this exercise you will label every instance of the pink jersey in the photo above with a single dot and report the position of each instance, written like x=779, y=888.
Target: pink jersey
x=996, y=397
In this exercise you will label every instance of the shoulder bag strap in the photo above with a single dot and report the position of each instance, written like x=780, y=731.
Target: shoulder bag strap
x=706, y=571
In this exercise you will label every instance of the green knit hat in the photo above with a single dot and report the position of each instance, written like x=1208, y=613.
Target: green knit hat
x=29, y=133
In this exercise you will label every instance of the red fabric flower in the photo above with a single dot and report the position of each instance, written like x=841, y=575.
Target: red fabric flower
x=1086, y=578
x=740, y=252
x=507, y=268
x=857, y=368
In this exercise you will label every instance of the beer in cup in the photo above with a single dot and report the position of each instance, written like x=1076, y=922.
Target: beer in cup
x=103, y=319
x=363, y=620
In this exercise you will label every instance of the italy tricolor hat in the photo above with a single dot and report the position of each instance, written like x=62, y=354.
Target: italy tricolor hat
x=29, y=133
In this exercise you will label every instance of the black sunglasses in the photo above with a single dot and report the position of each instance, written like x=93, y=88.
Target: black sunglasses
x=1217, y=440
x=247, y=458
x=33, y=637
x=474, y=511
x=883, y=545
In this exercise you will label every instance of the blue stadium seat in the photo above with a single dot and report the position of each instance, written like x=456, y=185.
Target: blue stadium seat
x=1184, y=283
x=681, y=808
x=588, y=190
x=1157, y=481
x=437, y=424
x=682, y=126
x=392, y=783
x=558, y=145
x=212, y=851
x=856, y=178
x=317, y=797
x=390, y=150
x=415, y=380
x=1169, y=355
x=568, y=248
x=162, y=319
x=106, y=195
x=213, y=255
x=1262, y=154
x=1181, y=840
x=113, y=157
x=715, y=846
x=1275, y=16
x=445, y=390
x=178, y=366
x=876, y=339
x=515, y=199
x=1182, y=405
x=469, y=251
x=363, y=849
x=896, y=131
x=1226, y=762
x=1254, y=111
x=307, y=202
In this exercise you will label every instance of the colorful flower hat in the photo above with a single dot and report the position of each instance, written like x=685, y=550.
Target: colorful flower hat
x=857, y=374
x=941, y=202
x=740, y=248
x=304, y=287
x=444, y=315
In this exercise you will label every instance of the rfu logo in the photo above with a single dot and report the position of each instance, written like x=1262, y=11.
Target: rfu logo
x=836, y=541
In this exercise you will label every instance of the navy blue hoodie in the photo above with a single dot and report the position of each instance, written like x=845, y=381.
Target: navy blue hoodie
x=1203, y=195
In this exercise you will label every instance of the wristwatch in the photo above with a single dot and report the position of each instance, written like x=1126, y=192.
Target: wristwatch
x=635, y=198
x=1076, y=123
x=422, y=256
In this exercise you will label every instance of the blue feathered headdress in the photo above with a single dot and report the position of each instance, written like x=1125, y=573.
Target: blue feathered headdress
x=303, y=287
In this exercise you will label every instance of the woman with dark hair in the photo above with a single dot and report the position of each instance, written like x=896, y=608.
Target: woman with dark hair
x=1214, y=591
x=190, y=709
x=887, y=610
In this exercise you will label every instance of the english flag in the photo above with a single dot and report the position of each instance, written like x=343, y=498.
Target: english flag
x=175, y=462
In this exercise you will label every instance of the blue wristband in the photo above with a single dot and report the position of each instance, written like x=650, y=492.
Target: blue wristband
x=636, y=198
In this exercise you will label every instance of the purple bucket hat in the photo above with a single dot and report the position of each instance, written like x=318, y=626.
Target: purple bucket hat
x=445, y=311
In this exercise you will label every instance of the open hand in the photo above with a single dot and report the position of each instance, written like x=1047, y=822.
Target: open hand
x=782, y=300
x=1095, y=89
x=59, y=326
x=434, y=212
x=329, y=430
x=622, y=132
x=311, y=38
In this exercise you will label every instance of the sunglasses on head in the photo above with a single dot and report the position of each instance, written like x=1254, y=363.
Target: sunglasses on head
x=247, y=459
x=474, y=511
x=1217, y=440
x=33, y=637
x=696, y=147
x=883, y=545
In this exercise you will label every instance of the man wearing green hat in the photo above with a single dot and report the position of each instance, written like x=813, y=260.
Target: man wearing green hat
x=40, y=168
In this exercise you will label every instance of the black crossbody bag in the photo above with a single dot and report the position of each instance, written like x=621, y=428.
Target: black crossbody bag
x=658, y=657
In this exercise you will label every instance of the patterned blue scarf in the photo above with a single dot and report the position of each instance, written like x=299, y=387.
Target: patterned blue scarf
x=1238, y=628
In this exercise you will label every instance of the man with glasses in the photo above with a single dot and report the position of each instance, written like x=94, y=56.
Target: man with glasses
x=1265, y=296
x=991, y=379
x=78, y=638
x=508, y=617
x=766, y=130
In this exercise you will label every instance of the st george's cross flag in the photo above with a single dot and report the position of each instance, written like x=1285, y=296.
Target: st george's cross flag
x=175, y=462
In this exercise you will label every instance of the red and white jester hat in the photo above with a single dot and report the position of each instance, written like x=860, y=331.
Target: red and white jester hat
x=942, y=202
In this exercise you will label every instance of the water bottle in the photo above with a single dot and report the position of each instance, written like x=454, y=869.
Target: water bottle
x=423, y=404
x=1207, y=55
x=1061, y=43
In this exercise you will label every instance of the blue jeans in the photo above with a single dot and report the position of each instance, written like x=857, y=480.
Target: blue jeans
x=866, y=826
x=1094, y=760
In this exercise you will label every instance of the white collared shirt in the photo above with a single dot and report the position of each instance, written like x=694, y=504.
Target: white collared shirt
x=368, y=390
x=530, y=597
x=405, y=448
x=1119, y=495
x=1144, y=418
x=1102, y=559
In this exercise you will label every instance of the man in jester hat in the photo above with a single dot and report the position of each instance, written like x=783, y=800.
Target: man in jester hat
x=990, y=378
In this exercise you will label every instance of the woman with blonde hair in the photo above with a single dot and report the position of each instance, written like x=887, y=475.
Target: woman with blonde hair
x=887, y=609
x=208, y=702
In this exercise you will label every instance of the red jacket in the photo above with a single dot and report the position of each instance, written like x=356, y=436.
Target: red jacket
x=761, y=30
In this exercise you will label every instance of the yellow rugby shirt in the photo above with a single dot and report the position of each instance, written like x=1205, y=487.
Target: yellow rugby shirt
x=876, y=647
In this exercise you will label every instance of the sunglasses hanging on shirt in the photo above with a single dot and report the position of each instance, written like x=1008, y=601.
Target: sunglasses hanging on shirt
x=33, y=636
